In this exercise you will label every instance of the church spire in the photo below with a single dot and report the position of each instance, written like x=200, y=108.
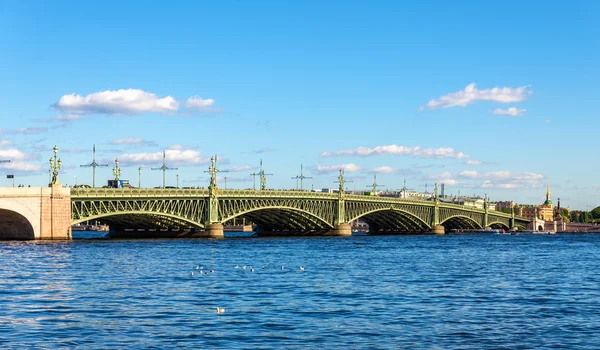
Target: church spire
x=548, y=201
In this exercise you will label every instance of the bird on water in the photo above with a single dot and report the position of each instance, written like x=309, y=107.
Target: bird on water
x=220, y=310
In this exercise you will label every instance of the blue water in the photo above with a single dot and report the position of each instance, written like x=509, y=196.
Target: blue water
x=468, y=292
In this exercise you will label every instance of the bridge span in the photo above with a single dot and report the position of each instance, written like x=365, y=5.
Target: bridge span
x=203, y=212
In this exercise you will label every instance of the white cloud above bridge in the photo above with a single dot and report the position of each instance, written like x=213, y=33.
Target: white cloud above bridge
x=18, y=161
x=512, y=111
x=470, y=94
x=416, y=151
x=197, y=102
x=325, y=169
x=505, y=179
x=173, y=158
x=132, y=141
x=124, y=102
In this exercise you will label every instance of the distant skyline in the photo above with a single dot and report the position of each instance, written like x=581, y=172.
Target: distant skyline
x=483, y=97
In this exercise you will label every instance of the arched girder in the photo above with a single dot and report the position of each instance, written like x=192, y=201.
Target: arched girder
x=393, y=220
x=460, y=222
x=285, y=219
x=449, y=213
x=407, y=217
x=310, y=216
x=356, y=209
x=106, y=217
x=498, y=225
x=322, y=209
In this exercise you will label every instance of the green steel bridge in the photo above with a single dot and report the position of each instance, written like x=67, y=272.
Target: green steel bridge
x=204, y=211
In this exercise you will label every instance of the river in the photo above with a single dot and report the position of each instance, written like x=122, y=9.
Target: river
x=468, y=292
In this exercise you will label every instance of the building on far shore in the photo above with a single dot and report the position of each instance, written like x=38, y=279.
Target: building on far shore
x=545, y=212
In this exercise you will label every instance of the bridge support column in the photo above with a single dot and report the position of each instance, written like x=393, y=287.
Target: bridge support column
x=213, y=231
x=341, y=230
x=438, y=230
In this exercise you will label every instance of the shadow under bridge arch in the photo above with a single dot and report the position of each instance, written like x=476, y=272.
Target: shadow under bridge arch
x=142, y=220
x=389, y=220
x=460, y=222
x=283, y=220
x=14, y=226
x=498, y=225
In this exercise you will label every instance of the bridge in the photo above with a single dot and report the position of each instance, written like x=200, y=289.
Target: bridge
x=202, y=212
x=177, y=212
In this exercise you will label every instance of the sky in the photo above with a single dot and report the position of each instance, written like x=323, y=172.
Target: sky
x=496, y=98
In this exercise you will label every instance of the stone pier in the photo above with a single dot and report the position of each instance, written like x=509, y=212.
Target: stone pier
x=35, y=213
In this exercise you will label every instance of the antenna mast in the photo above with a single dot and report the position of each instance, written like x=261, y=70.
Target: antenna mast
x=164, y=169
x=94, y=165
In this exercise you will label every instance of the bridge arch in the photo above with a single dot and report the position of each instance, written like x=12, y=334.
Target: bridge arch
x=498, y=225
x=15, y=226
x=147, y=219
x=460, y=222
x=393, y=220
x=283, y=218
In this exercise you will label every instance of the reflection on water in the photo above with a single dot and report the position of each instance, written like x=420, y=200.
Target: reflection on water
x=356, y=292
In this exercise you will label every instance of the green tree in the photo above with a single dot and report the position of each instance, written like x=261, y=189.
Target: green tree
x=596, y=213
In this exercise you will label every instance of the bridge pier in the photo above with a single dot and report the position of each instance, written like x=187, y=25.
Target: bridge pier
x=340, y=230
x=212, y=231
x=438, y=230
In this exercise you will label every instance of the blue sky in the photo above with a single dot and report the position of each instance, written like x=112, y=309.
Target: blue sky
x=307, y=82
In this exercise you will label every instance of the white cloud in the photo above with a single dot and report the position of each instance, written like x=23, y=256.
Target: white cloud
x=446, y=178
x=548, y=121
x=512, y=111
x=18, y=161
x=69, y=117
x=239, y=168
x=400, y=151
x=31, y=131
x=173, y=158
x=324, y=169
x=505, y=179
x=384, y=170
x=124, y=101
x=474, y=162
x=261, y=151
x=21, y=166
x=5, y=143
x=130, y=141
x=198, y=102
x=471, y=94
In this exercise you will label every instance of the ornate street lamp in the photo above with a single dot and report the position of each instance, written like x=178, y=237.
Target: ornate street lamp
x=55, y=165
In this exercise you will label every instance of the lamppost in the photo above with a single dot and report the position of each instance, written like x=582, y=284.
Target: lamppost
x=177, y=176
x=75, y=180
x=55, y=164
x=140, y=177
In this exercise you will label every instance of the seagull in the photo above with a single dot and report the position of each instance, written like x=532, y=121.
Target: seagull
x=191, y=273
x=196, y=267
x=264, y=267
x=211, y=271
x=251, y=270
x=235, y=267
x=283, y=267
x=244, y=267
x=220, y=310
x=301, y=268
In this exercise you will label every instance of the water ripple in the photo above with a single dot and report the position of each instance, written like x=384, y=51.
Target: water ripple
x=467, y=292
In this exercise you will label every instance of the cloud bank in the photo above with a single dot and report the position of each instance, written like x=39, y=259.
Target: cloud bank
x=471, y=94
